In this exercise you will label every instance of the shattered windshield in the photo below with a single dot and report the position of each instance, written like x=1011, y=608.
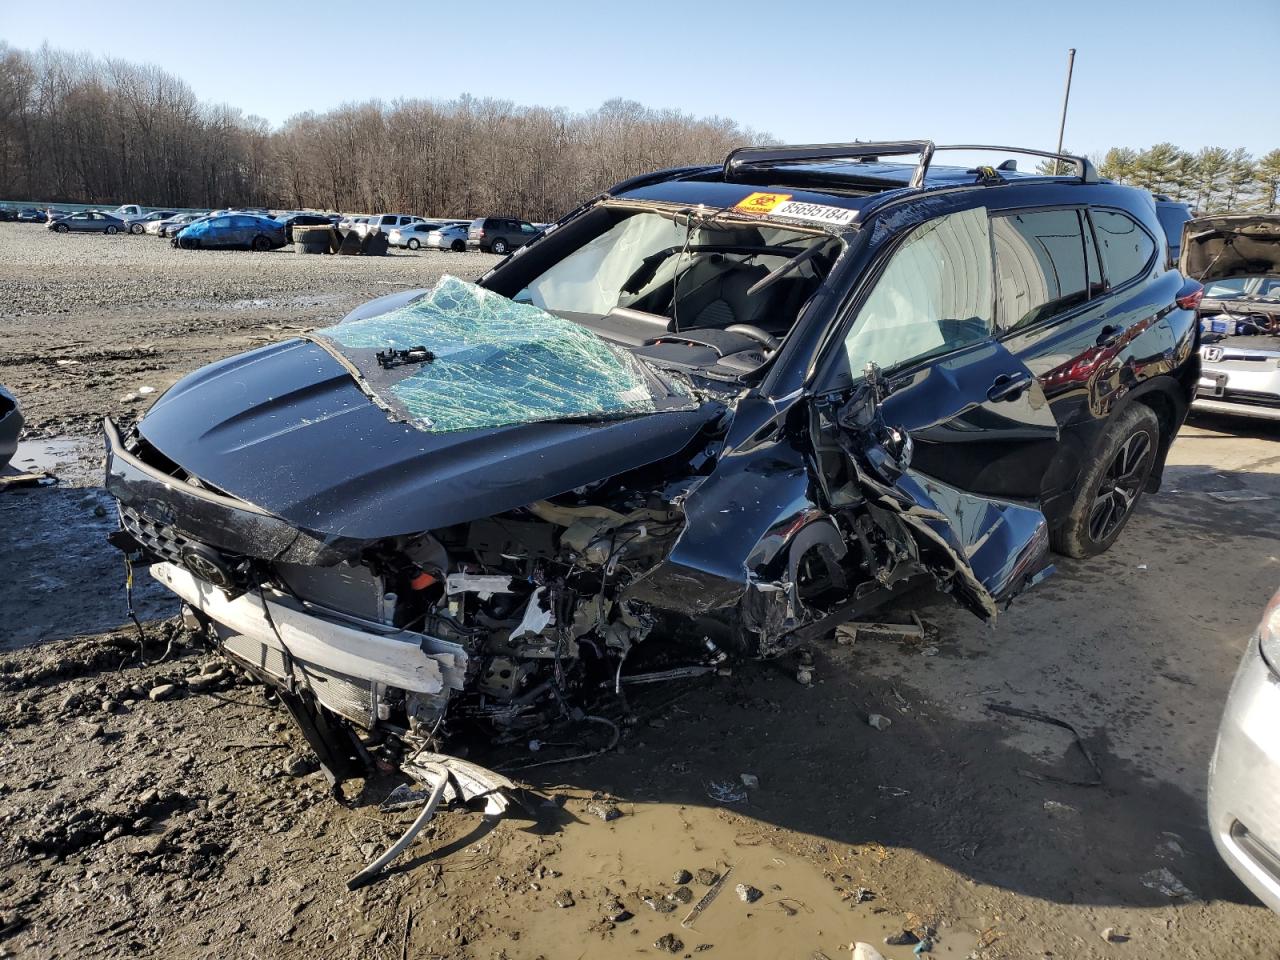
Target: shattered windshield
x=462, y=358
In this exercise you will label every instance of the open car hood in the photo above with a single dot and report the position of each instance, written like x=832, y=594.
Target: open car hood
x=1242, y=245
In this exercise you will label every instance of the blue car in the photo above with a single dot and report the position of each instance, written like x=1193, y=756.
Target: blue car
x=241, y=231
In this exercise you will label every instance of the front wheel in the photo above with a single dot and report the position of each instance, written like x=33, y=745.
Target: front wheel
x=413, y=243
x=1111, y=483
x=136, y=229
x=499, y=247
x=61, y=228
x=111, y=230
x=188, y=243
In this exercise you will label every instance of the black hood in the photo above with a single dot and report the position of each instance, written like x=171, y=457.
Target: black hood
x=287, y=429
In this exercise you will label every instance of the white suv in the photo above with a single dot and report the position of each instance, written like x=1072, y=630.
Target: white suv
x=385, y=223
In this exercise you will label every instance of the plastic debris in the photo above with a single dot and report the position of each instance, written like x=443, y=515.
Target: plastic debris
x=1163, y=881
x=878, y=721
x=724, y=791
x=749, y=780
x=865, y=951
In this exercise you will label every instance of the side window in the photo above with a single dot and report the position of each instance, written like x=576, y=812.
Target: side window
x=527, y=228
x=1126, y=247
x=933, y=296
x=1042, y=266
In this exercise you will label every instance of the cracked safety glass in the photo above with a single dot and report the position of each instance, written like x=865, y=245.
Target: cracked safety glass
x=463, y=358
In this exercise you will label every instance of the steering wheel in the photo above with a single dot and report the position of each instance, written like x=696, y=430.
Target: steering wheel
x=769, y=342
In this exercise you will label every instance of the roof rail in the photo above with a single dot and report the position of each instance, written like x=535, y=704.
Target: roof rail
x=873, y=150
x=869, y=150
x=1084, y=167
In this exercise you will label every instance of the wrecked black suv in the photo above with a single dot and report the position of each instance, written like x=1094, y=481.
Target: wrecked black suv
x=736, y=404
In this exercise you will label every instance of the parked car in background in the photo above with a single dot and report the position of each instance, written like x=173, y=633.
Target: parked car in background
x=8, y=215
x=31, y=215
x=499, y=235
x=1172, y=214
x=349, y=223
x=11, y=421
x=88, y=221
x=386, y=222
x=1237, y=258
x=125, y=210
x=171, y=225
x=1244, y=774
x=450, y=237
x=232, y=230
x=742, y=398
x=137, y=225
x=291, y=220
x=413, y=235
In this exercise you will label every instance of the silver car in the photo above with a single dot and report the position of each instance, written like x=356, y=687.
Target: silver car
x=1237, y=258
x=1244, y=774
x=451, y=237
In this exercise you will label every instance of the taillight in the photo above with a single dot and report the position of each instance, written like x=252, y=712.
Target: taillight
x=1190, y=295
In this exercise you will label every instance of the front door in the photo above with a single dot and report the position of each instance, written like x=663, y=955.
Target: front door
x=945, y=432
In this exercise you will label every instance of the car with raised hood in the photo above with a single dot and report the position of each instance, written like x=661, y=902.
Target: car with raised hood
x=733, y=405
x=232, y=231
x=1237, y=258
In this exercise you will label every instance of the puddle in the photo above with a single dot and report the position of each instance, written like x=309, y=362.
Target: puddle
x=56, y=566
x=805, y=911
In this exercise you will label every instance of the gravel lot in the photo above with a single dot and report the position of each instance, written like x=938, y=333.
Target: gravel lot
x=87, y=319
x=192, y=824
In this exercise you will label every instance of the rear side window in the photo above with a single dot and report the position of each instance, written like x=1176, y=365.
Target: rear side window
x=1126, y=247
x=934, y=295
x=1042, y=266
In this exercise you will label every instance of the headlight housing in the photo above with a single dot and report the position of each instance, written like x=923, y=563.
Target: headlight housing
x=1269, y=635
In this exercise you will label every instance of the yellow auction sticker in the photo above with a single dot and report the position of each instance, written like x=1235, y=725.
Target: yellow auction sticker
x=761, y=202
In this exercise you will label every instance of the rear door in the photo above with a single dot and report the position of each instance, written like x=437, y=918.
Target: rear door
x=938, y=423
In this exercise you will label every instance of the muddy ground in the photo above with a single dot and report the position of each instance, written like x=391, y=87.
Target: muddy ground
x=194, y=825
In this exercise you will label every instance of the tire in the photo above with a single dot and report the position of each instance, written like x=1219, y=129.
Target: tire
x=188, y=243
x=111, y=230
x=499, y=247
x=1111, y=483
x=459, y=246
x=261, y=244
x=413, y=243
x=61, y=228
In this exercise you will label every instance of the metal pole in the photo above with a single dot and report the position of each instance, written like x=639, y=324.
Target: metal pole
x=1066, y=96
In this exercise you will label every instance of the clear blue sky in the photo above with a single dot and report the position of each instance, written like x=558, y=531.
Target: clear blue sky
x=805, y=72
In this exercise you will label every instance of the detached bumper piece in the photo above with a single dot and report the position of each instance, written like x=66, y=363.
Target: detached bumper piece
x=343, y=665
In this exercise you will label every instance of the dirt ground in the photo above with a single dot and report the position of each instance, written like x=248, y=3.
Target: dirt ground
x=194, y=825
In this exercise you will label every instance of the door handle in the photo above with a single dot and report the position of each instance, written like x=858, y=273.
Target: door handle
x=1109, y=336
x=1008, y=386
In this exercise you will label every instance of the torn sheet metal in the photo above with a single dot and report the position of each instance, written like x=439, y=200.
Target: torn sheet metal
x=397, y=660
x=463, y=358
x=985, y=549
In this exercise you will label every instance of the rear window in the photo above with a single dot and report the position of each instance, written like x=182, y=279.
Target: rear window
x=1126, y=247
x=1042, y=266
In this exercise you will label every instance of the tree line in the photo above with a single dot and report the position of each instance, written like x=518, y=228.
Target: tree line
x=1211, y=180
x=74, y=128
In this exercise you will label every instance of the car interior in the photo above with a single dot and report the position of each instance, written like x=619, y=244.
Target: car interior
x=703, y=292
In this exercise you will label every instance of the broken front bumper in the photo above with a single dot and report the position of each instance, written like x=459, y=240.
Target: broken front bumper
x=351, y=666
